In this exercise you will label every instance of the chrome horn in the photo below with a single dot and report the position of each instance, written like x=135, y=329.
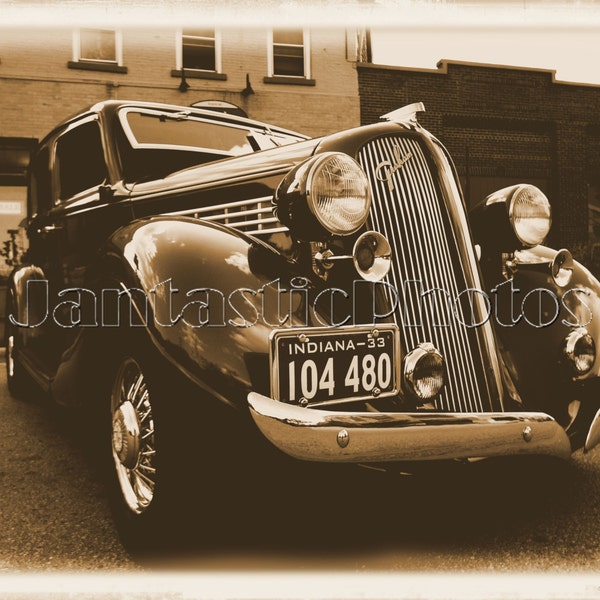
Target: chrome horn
x=372, y=256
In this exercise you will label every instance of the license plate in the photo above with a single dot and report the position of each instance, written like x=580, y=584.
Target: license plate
x=320, y=365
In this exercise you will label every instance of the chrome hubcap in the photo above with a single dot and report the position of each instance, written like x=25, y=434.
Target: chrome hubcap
x=133, y=445
x=126, y=435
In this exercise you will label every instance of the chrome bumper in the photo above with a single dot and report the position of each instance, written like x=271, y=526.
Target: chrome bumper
x=330, y=436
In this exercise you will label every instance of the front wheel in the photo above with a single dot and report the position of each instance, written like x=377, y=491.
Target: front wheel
x=133, y=437
x=170, y=457
x=147, y=449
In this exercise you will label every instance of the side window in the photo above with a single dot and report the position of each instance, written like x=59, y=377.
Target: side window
x=39, y=183
x=79, y=160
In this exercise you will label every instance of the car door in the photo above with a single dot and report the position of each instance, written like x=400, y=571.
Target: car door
x=66, y=236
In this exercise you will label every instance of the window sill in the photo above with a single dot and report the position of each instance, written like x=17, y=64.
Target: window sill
x=195, y=74
x=96, y=66
x=289, y=80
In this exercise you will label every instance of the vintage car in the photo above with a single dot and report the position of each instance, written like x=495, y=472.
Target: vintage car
x=189, y=269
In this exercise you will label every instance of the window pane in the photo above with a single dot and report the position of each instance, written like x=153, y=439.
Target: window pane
x=39, y=183
x=288, y=36
x=80, y=160
x=159, y=130
x=199, y=54
x=288, y=61
x=288, y=51
x=97, y=44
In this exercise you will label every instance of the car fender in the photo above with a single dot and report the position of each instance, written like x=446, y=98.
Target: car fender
x=205, y=294
x=532, y=330
x=27, y=309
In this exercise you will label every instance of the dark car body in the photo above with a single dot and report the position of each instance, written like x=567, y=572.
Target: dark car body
x=211, y=256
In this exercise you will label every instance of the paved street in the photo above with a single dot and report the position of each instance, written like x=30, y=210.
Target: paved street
x=485, y=518
x=54, y=512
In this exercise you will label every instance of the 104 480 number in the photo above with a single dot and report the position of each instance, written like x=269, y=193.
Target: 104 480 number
x=363, y=375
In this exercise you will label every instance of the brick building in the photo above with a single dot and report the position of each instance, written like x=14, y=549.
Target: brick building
x=505, y=125
x=502, y=125
x=299, y=79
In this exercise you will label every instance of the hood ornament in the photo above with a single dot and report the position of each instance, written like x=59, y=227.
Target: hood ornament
x=407, y=115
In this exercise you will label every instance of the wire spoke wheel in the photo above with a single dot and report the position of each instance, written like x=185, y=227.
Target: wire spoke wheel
x=133, y=436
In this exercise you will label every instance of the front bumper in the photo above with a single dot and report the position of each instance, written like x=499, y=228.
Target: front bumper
x=370, y=437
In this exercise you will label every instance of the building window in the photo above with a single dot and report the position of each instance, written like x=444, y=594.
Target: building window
x=98, y=45
x=199, y=50
x=98, y=50
x=289, y=57
x=199, y=54
x=15, y=156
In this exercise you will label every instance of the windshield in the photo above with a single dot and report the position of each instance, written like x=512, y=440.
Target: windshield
x=162, y=142
x=179, y=131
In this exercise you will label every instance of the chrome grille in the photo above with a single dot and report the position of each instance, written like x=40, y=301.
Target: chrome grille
x=409, y=210
x=254, y=216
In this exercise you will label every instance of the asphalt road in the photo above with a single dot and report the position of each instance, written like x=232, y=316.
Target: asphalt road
x=486, y=517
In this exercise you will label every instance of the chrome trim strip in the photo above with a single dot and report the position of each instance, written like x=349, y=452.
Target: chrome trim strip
x=224, y=206
x=241, y=213
x=458, y=341
x=231, y=214
x=486, y=335
x=227, y=221
x=317, y=435
x=411, y=215
x=267, y=231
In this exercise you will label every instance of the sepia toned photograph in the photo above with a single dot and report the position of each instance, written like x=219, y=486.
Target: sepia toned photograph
x=300, y=300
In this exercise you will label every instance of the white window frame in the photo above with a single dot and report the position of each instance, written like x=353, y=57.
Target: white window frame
x=306, y=54
x=118, y=47
x=179, y=53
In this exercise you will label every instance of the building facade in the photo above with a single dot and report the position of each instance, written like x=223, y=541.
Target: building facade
x=299, y=79
x=506, y=125
x=502, y=125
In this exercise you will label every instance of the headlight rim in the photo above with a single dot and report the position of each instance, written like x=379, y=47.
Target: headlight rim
x=409, y=367
x=311, y=201
x=569, y=347
x=512, y=217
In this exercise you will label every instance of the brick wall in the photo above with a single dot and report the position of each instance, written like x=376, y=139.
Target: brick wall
x=37, y=89
x=505, y=125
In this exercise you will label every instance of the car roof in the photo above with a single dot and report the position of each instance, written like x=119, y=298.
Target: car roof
x=110, y=107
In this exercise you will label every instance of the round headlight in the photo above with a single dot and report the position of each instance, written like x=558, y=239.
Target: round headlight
x=338, y=194
x=530, y=215
x=424, y=372
x=580, y=351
